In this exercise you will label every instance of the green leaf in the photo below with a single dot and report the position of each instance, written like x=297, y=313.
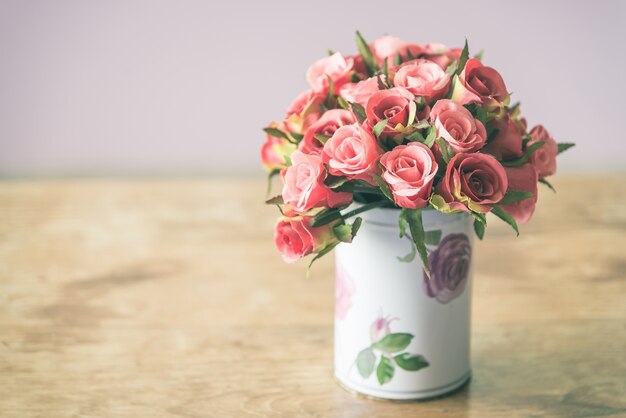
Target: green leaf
x=514, y=196
x=432, y=237
x=276, y=200
x=444, y=148
x=454, y=65
x=410, y=256
x=413, y=218
x=326, y=217
x=270, y=176
x=343, y=232
x=359, y=112
x=321, y=254
x=343, y=103
x=463, y=59
x=411, y=362
x=379, y=127
x=480, y=54
x=563, y=146
x=321, y=138
x=393, y=343
x=384, y=187
x=397, y=60
x=430, y=138
x=384, y=371
x=276, y=133
x=524, y=158
x=547, y=183
x=366, y=53
x=334, y=181
x=297, y=137
x=409, y=55
x=504, y=215
x=330, y=52
x=479, y=228
x=381, y=85
x=331, y=89
x=365, y=362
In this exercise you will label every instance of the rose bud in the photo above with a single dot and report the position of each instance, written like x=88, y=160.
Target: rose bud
x=380, y=328
x=507, y=145
x=275, y=151
x=295, y=237
x=409, y=171
x=523, y=178
x=335, y=67
x=326, y=125
x=304, y=111
x=544, y=158
x=352, y=152
x=473, y=182
x=304, y=186
x=480, y=84
x=456, y=125
x=423, y=78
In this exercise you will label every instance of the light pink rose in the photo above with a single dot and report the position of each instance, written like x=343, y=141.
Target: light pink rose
x=326, y=125
x=409, y=171
x=360, y=92
x=423, y=78
x=335, y=67
x=295, y=237
x=275, y=151
x=523, y=178
x=304, y=111
x=441, y=54
x=456, y=125
x=507, y=145
x=397, y=105
x=352, y=152
x=473, y=182
x=344, y=290
x=479, y=84
x=544, y=158
x=386, y=47
x=304, y=186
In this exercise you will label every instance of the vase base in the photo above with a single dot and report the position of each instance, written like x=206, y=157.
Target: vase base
x=408, y=396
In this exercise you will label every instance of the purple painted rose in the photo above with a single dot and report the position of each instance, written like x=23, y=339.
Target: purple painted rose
x=449, y=265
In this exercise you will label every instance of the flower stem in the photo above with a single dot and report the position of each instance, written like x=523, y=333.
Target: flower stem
x=364, y=208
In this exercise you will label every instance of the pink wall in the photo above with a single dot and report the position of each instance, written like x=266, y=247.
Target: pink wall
x=154, y=87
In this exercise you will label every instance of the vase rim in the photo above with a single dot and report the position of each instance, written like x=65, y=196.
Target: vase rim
x=389, y=216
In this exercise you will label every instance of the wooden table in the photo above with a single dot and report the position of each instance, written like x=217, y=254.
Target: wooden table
x=154, y=298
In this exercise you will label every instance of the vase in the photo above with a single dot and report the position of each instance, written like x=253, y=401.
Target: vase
x=399, y=334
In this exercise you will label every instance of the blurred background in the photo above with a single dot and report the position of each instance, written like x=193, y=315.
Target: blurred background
x=149, y=88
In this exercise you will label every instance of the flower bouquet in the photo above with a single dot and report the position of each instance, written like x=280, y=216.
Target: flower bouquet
x=421, y=141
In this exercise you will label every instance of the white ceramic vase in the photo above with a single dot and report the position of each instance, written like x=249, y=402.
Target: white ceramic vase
x=398, y=334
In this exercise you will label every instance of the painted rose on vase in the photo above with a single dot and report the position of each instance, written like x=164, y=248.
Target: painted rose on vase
x=450, y=268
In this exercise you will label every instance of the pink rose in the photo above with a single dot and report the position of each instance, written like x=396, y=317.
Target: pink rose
x=352, y=152
x=326, y=125
x=344, y=290
x=395, y=104
x=544, y=158
x=423, y=78
x=386, y=47
x=360, y=92
x=456, y=125
x=479, y=84
x=507, y=145
x=304, y=186
x=304, y=111
x=473, y=182
x=335, y=67
x=441, y=54
x=275, y=151
x=295, y=237
x=409, y=170
x=523, y=178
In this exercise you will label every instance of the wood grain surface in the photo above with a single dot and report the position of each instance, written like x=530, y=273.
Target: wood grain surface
x=154, y=298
